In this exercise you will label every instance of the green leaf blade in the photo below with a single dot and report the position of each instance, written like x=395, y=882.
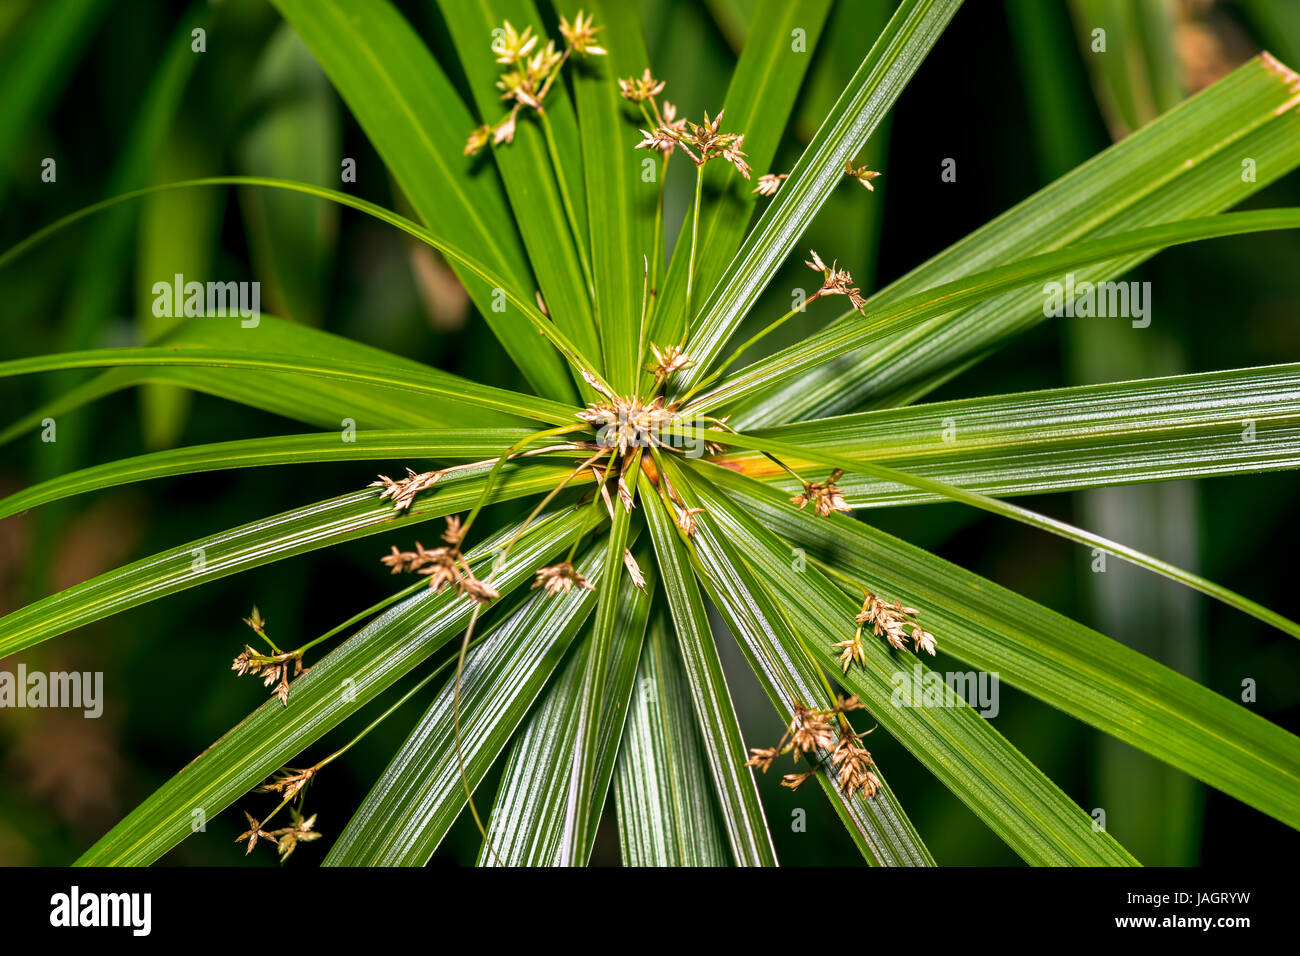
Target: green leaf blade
x=661, y=789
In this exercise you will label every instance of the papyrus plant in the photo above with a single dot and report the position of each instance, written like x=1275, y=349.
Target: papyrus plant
x=670, y=471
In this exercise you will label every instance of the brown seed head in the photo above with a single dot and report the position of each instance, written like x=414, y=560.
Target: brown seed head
x=835, y=281
x=761, y=757
x=403, y=492
x=561, y=578
x=824, y=495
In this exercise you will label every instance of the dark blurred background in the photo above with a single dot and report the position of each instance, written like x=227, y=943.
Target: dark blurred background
x=112, y=90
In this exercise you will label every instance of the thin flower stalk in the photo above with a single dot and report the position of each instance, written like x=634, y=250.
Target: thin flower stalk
x=644, y=90
x=695, y=240
x=701, y=142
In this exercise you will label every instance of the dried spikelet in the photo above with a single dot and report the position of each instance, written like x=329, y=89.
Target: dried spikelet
x=403, y=491
x=561, y=578
x=825, y=496
x=835, y=281
x=769, y=183
x=862, y=174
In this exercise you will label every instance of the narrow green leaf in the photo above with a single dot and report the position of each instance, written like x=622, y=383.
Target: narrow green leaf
x=621, y=205
x=528, y=824
x=878, y=825
x=662, y=795
x=1185, y=164
x=304, y=398
x=404, y=446
x=742, y=810
x=537, y=200
x=1180, y=426
x=1031, y=518
x=759, y=100
x=420, y=383
x=859, y=330
x=589, y=716
x=453, y=251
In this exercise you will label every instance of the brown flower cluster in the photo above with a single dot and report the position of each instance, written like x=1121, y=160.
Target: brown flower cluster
x=668, y=360
x=852, y=763
x=273, y=668
x=286, y=839
x=835, y=281
x=644, y=90
x=769, y=183
x=894, y=622
x=812, y=731
x=633, y=570
x=641, y=89
x=561, y=578
x=403, y=492
x=530, y=73
x=444, y=565
x=701, y=142
x=686, y=520
x=824, y=496
x=288, y=781
x=625, y=423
